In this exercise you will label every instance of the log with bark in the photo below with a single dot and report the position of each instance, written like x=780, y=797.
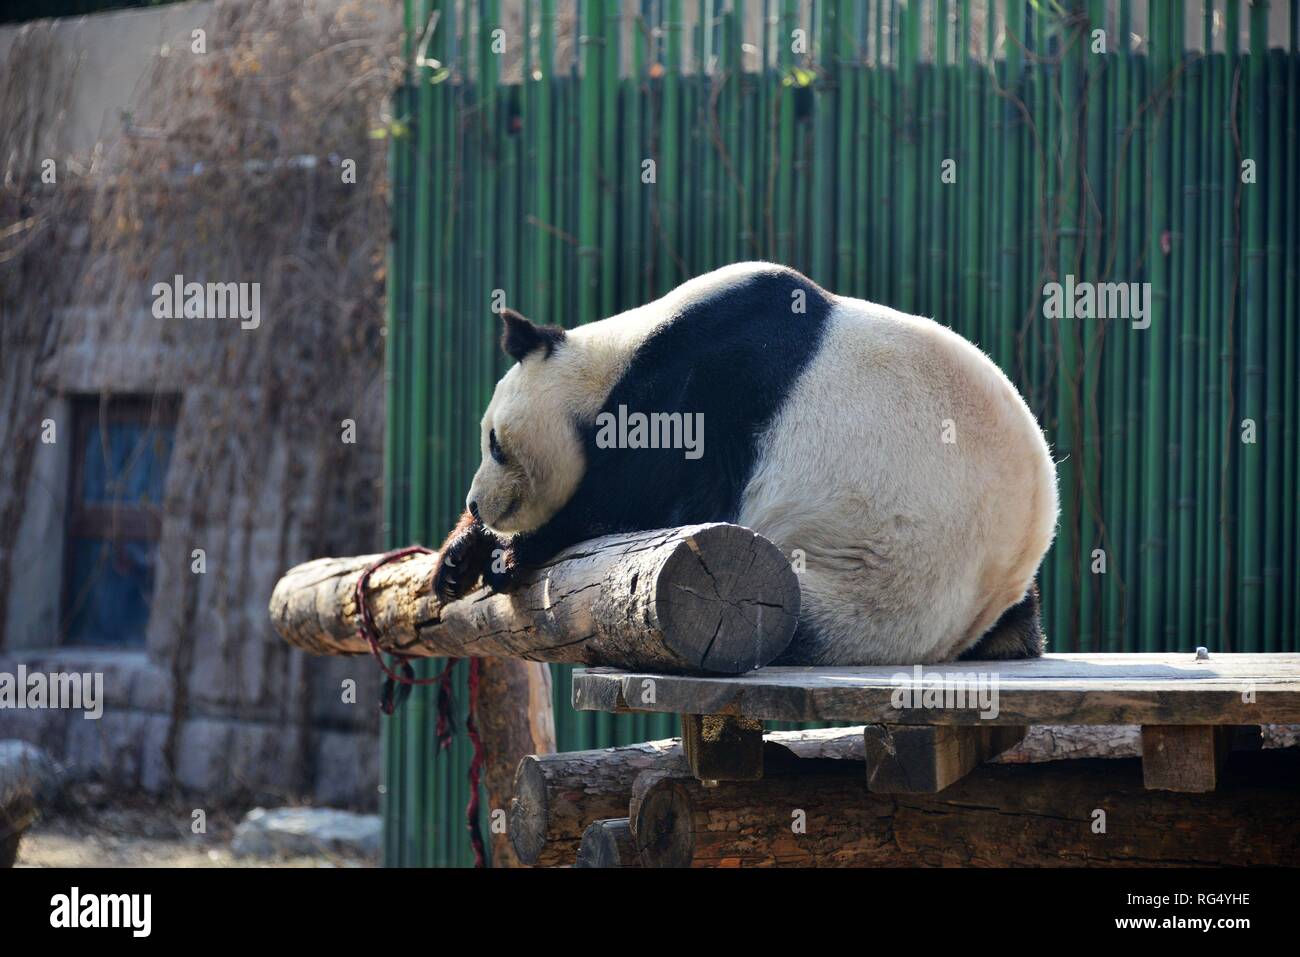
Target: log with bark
x=1074, y=813
x=608, y=844
x=710, y=598
x=556, y=796
x=514, y=718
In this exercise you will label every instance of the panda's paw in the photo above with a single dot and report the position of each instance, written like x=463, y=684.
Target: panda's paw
x=501, y=571
x=463, y=559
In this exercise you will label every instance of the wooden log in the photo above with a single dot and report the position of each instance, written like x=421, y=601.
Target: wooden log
x=608, y=844
x=557, y=795
x=721, y=748
x=904, y=759
x=704, y=598
x=1069, y=813
x=1184, y=757
x=515, y=717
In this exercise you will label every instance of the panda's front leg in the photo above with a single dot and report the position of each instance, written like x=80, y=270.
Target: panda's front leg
x=471, y=553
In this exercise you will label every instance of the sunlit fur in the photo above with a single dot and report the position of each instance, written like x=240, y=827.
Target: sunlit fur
x=910, y=547
x=913, y=547
x=537, y=403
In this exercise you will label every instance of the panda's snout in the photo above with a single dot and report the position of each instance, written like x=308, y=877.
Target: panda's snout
x=472, y=505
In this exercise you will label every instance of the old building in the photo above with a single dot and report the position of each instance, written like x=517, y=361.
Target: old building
x=160, y=473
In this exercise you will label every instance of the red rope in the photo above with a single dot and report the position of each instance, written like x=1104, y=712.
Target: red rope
x=445, y=726
x=391, y=699
x=475, y=765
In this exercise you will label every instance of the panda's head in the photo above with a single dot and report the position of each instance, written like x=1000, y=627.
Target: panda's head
x=532, y=450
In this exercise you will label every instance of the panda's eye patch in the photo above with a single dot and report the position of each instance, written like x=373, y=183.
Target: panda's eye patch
x=493, y=447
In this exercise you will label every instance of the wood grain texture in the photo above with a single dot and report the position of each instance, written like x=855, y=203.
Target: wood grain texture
x=722, y=748
x=1184, y=757
x=703, y=598
x=556, y=796
x=1029, y=815
x=925, y=760
x=515, y=717
x=608, y=844
x=1072, y=689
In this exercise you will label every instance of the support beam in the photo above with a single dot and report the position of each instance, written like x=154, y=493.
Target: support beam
x=1185, y=757
x=515, y=717
x=925, y=759
x=608, y=844
x=723, y=748
x=704, y=598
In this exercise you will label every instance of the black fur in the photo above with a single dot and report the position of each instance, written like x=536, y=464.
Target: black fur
x=1017, y=634
x=733, y=356
x=521, y=337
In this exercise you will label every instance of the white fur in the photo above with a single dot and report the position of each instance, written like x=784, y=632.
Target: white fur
x=911, y=547
x=537, y=399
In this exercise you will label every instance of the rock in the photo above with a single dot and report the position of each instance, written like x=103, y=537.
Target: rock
x=29, y=780
x=29, y=771
x=307, y=832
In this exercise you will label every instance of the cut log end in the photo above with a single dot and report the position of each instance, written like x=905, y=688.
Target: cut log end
x=662, y=829
x=702, y=598
x=727, y=600
x=608, y=843
x=529, y=812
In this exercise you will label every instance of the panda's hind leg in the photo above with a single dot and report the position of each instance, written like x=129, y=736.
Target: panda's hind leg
x=1017, y=634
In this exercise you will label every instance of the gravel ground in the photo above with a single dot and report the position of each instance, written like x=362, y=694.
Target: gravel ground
x=98, y=830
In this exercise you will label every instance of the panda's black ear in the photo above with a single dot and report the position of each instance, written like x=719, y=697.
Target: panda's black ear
x=520, y=338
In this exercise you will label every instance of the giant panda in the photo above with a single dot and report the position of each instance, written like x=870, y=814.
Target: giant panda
x=885, y=452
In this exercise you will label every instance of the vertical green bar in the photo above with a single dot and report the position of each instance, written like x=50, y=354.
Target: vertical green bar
x=1212, y=633
x=1114, y=348
x=907, y=154
x=825, y=92
x=1231, y=412
x=1181, y=600
x=670, y=168
x=544, y=138
x=1290, y=584
x=845, y=184
x=1158, y=335
x=1068, y=441
x=588, y=192
x=1091, y=331
x=1254, y=320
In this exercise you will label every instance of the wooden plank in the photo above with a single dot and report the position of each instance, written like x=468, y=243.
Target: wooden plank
x=905, y=759
x=721, y=748
x=1140, y=689
x=1184, y=757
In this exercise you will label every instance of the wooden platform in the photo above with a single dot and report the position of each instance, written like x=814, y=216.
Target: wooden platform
x=927, y=727
x=1145, y=689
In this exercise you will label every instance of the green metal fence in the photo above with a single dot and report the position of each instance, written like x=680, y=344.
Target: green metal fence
x=899, y=162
